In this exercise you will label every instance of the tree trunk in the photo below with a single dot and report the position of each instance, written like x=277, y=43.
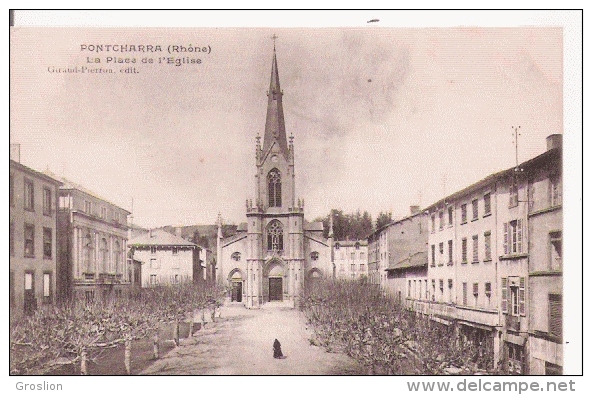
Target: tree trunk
x=155, y=345
x=128, y=356
x=176, y=333
x=83, y=368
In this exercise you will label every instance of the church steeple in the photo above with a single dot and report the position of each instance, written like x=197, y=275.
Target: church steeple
x=275, y=128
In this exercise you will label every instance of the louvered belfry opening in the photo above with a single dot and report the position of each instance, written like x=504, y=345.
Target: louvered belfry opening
x=274, y=183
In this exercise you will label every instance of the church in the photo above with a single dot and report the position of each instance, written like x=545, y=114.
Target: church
x=276, y=253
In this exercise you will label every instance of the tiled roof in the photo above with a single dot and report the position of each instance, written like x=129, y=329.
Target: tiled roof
x=419, y=259
x=160, y=238
x=47, y=177
x=313, y=226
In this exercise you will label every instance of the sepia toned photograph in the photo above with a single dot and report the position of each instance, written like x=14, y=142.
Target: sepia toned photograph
x=373, y=199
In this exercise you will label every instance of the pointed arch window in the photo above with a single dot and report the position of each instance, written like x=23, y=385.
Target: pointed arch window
x=274, y=188
x=275, y=236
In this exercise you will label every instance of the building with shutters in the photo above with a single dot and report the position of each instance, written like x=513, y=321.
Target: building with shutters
x=351, y=259
x=92, y=245
x=33, y=231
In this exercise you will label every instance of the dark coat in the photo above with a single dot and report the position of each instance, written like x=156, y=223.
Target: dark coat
x=277, y=349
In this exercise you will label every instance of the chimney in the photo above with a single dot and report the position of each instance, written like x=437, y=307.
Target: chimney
x=414, y=209
x=554, y=141
x=15, y=152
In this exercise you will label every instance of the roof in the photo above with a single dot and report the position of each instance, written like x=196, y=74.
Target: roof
x=67, y=184
x=351, y=243
x=314, y=226
x=242, y=227
x=396, y=221
x=419, y=259
x=43, y=176
x=160, y=238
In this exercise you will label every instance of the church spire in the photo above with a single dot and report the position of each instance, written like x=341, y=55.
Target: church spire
x=275, y=128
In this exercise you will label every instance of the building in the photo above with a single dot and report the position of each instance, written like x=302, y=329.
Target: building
x=378, y=256
x=274, y=255
x=407, y=280
x=92, y=245
x=545, y=260
x=166, y=258
x=351, y=259
x=33, y=232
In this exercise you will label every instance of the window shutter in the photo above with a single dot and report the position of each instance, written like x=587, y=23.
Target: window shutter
x=505, y=238
x=519, y=236
x=522, y=296
x=555, y=315
x=504, y=293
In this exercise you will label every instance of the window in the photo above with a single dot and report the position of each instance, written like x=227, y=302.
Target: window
x=554, y=191
x=409, y=289
x=104, y=251
x=104, y=212
x=476, y=292
x=357, y=246
x=153, y=279
x=46, y=288
x=487, y=204
x=450, y=216
x=275, y=236
x=116, y=216
x=353, y=256
x=514, y=295
x=362, y=267
x=11, y=232
x=314, y=255
x=274, y=188
x=475, y=248
x=353, y=267
x=441, y=257
x=487, y=237
x=362, y=255
x=175, y=250
x=450, y=252
x=441, y=219
x=488, y=289
x=433, y=290
x=89, y=296
x=513, y=201
x=87, y=207
x=176, y=279
x=426, y=289
x=464, y=250
x=464, y=288
x=117, y=257
x=433, y=255
x=87, y=248
x=47, y=243
x=336, y=246
x=449, y=290
x=475, y=209
x=29, y=240
x=556, y=315
x=46, y=201
x=441, y=283
x=153, y=250
x=154, y=263
x=29, y=195
x=433, y=223
x=513, y=237
x=463, y=214
x=556, y=250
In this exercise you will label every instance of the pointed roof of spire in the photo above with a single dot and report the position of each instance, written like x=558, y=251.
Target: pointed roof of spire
x=275, y=128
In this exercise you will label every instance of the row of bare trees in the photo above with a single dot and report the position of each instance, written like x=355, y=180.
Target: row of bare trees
x=359, y=319
x=79, y=332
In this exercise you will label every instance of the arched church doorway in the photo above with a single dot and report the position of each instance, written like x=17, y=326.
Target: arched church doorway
x=236, y=286
x=275, y=279
x=314, y=275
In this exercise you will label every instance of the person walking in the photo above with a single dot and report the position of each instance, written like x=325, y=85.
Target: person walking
x=277, y=350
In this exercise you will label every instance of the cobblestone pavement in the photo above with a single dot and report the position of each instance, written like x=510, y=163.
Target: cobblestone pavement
x=240, y=343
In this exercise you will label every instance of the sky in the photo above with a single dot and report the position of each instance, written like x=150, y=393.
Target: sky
x=382, y=118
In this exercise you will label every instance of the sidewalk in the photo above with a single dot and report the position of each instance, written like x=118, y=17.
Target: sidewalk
x=240, y=343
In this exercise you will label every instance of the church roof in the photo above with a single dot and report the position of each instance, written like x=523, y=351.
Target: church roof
x=314, y=226
x=159, y=237
x=275, y=127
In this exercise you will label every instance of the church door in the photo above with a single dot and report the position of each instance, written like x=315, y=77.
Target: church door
x=275, y=288
x=237, y=292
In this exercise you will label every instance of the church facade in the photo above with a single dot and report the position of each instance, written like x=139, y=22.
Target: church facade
x=276, y=253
